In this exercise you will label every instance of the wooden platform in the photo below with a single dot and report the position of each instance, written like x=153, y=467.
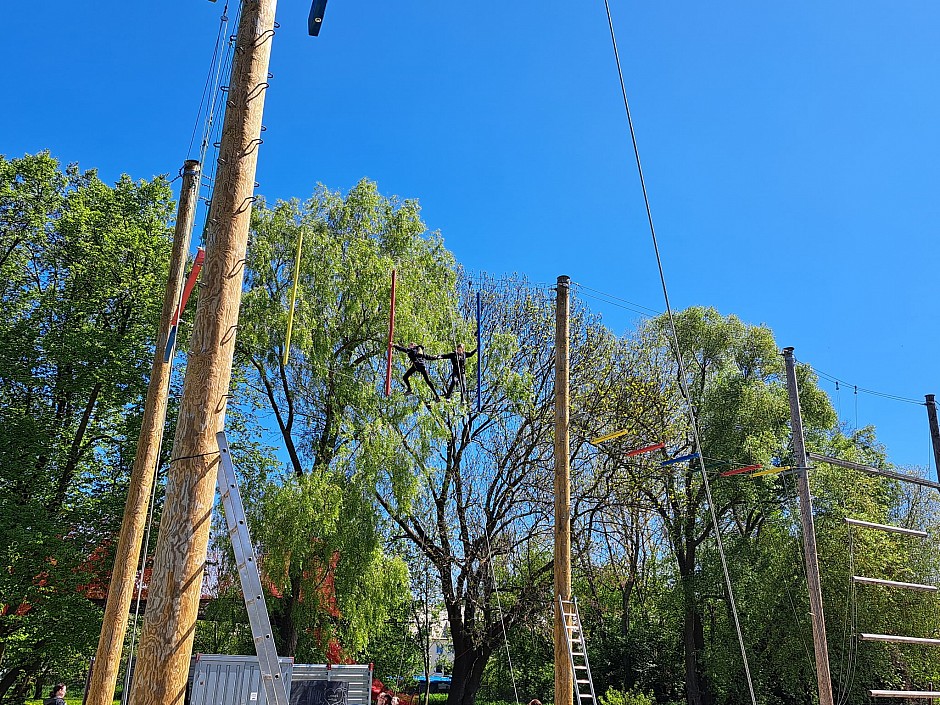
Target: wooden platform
x=904, y=693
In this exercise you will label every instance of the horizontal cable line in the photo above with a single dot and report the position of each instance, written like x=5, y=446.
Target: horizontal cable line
x=855, y=387
x=651, y=311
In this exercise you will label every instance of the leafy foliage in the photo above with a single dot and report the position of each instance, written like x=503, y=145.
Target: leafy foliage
x=82, y=267
x=317, y=523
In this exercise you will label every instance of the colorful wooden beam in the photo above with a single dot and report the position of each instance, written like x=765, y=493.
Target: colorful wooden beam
x=315, y=18
x=391, y=337
x=479, y=354
x=178, y=313
x=738, y=471
x=772, y=471
x=293, y=297
x=647, y=449
x=610, y=436
x=680, y=459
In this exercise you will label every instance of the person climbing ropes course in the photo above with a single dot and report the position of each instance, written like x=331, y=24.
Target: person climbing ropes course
x=417, y=357
x=458, y=370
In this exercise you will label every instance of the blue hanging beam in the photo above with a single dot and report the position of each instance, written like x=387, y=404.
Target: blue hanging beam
x=680, y=459
x=479, y=354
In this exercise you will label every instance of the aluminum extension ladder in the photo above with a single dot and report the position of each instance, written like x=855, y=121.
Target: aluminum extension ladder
x=577, y=652
x=274, y=686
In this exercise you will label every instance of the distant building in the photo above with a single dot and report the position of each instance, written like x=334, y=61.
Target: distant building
x=441, y=648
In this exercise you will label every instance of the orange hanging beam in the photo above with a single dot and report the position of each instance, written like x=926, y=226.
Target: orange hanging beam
x=647, y=449
x=738, y=471
x=178, y=313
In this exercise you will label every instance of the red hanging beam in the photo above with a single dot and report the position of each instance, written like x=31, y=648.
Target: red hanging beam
x=738, y=471
x=178, y=313
x=391, y=338
x=647, y=449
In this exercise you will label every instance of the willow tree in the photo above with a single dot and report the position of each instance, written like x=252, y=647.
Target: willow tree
x=317, y=522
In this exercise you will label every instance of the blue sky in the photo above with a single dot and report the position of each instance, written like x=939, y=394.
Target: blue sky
x=791, y=150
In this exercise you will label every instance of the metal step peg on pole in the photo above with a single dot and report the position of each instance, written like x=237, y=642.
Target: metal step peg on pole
x=276, y=690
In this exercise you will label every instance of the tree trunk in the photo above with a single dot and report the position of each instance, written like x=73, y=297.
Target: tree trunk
x=284, y=620
x=468, y=675
x=693, y=642
x=37, y=686
x=8, y=679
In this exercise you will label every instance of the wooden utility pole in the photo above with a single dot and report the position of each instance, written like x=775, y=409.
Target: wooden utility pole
x=176, y=584
x=562, y=564
x=823, y=679
x=934, y=431
x=121, y=589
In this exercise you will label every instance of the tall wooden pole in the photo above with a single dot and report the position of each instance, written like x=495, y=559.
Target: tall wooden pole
x=176, y=584
x=121, y=589
x=934, y=430
x=562, y=565
x=823, y=679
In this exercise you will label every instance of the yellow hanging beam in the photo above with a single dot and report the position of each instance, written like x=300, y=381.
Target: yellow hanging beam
x=769, y=471
x=293, y=296
x=610, y=436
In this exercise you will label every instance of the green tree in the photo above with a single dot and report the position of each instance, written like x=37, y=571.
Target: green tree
x=738, y=392
x=83, y=268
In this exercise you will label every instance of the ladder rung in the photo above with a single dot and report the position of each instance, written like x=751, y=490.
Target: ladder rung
x=580, y=668
x=904, y=693
x=886, y=527
x=893, y=583
x=583, y=681
x=899, y=639
x=585, y=695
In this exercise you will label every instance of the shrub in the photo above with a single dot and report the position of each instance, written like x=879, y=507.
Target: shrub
x=631, y=697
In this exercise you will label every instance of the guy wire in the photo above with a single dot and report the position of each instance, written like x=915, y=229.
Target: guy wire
x=682, y=371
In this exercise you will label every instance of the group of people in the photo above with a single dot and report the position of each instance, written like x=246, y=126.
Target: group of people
x=458, y=372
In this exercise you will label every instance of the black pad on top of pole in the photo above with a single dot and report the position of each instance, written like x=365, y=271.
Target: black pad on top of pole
x=316, y=17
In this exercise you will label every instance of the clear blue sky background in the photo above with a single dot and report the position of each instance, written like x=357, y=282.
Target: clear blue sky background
x=791, y=149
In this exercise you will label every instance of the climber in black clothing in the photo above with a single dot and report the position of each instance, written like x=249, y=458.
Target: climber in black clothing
x=417, y=357
x=458, y=371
